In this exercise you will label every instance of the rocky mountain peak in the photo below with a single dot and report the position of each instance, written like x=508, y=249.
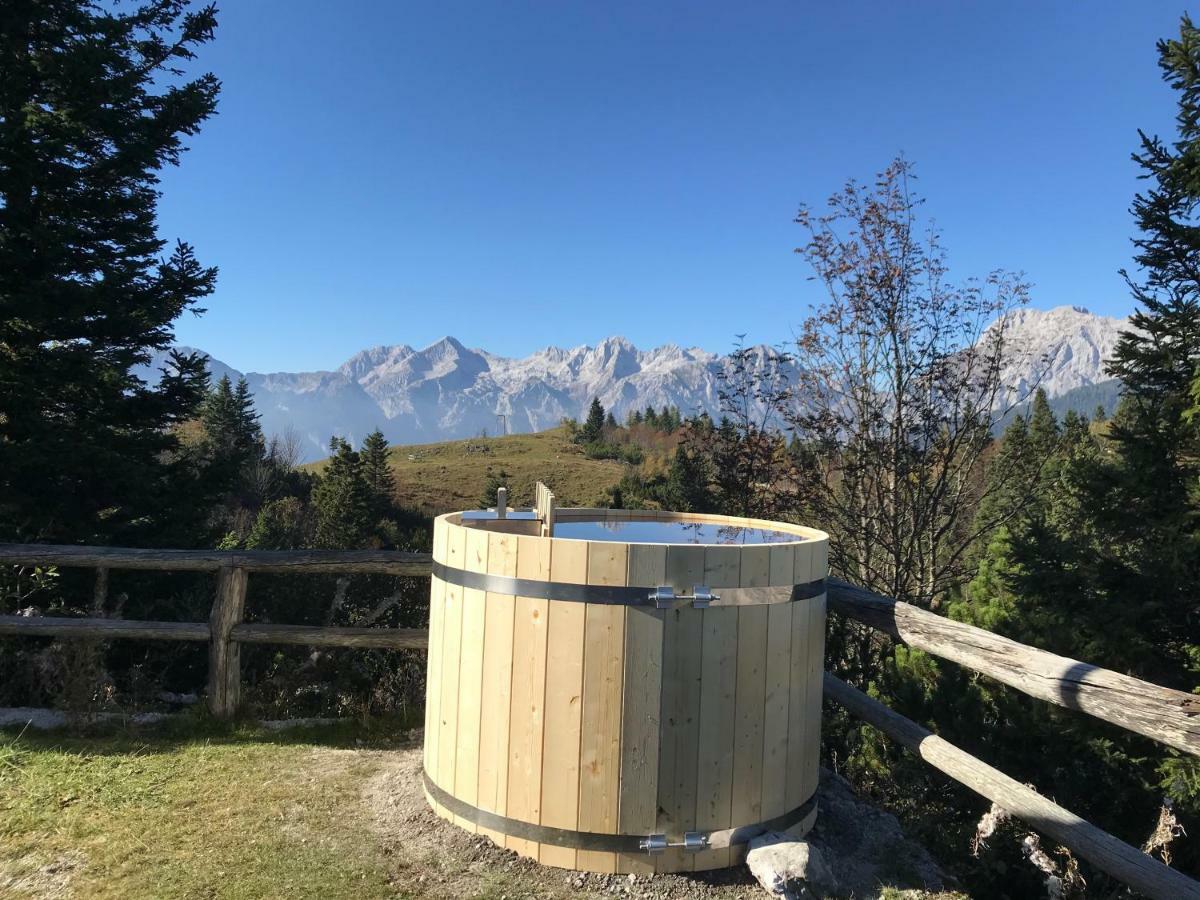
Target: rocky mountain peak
x=447, y=390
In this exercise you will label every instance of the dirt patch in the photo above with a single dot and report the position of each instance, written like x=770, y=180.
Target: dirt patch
x=435, y=859
x=27, y=877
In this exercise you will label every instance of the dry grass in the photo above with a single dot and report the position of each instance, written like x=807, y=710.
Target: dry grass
x=238, y=813
x=452, y=475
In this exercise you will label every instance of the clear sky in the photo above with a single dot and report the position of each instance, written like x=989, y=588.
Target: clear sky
x=521, y=174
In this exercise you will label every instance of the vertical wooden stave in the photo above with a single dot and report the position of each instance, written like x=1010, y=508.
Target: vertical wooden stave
x=603, y=683
x=800, y=690
x=564, y=703
x=641, y=722
x=680, y=728
x=451, y=645
x=750, y=696
x=778, y=687
x=434, y=653
x=816, y=666
x=495, y=694
x=527, y=703
x=718, y=691
x=470, y=683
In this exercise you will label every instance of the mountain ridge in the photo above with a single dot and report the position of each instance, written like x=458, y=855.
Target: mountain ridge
x=447, y=390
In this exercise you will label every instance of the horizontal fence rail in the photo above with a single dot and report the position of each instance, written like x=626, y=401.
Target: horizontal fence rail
x=1168, y=716
x=357, y=562
x=225, y=631
x=1128, y=864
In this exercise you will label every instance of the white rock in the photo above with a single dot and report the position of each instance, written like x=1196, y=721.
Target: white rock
x=789, y=868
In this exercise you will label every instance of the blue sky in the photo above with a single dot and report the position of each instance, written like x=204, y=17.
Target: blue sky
x=521, y=174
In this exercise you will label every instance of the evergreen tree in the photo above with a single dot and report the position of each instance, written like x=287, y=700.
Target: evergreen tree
x=688, y=484
x=91, y=111
x=1153, y=498
x=1043, y=427
x=378, y=473
x=610, y=421
x=232, y=435
x=495, y=481
x=593, y=428
x=650, y=417
x=342, y=500
x=280, y=525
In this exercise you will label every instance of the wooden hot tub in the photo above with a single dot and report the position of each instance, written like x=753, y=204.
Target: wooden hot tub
x=581, y=716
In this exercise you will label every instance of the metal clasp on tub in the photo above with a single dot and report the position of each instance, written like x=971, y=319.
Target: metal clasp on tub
x=654, y=843
x=664, y=598
x=693, y=842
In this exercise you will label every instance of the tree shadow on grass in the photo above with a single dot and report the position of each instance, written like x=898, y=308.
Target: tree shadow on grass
x=195, y=727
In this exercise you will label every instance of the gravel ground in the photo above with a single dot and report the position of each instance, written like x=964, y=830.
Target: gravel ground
x=865, y=847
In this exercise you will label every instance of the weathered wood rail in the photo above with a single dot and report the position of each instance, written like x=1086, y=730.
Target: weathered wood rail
x=225, y=631
x=1170, y=717
x=1167, y=716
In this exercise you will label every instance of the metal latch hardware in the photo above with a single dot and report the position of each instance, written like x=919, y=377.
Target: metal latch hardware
x=664, y=597
x=693, y=841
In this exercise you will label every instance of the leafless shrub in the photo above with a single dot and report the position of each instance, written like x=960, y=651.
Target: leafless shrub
x=1166, y=831
x=1063, y=880
x=992, y=819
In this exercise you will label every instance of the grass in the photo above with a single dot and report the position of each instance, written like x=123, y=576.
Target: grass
x=206, y=812
x=452, y=475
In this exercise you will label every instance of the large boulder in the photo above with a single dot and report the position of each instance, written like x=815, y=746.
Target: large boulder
x=790, y=868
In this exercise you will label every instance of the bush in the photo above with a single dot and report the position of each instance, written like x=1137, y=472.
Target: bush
x=623, y=452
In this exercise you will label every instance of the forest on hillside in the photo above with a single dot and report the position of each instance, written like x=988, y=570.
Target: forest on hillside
x=1079, y=535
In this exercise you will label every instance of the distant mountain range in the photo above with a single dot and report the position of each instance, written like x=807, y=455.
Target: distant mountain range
x=447, y=391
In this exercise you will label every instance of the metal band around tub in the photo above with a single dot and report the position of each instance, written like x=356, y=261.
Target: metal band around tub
x=611, y=595
x=613, y=843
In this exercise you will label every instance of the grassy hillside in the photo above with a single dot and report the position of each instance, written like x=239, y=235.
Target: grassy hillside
x=438, y=478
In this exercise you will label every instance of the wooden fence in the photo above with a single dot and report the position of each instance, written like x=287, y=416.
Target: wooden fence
x=225, y=631
x=1167, y=716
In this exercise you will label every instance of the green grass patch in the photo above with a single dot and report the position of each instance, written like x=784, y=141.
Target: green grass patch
x=191, y=810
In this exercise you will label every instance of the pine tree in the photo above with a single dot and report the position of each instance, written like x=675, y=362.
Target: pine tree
x=1043, y=427
x=1151, y=496
x=495, y=481
x=342, y=500
x=232, y=435
x=593, y=428
x=378, y=473
x=688, y=484
x=610, y=421
x=91, y=111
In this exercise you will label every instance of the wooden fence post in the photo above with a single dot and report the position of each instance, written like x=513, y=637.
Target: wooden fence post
x=100, y=591
x=224, y=653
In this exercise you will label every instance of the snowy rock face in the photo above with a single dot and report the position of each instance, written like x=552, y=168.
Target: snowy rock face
x=447, y=391
x=1058, y=350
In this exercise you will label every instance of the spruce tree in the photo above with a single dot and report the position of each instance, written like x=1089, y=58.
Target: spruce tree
x=232, y=435
x=495, y=481
x=1043, y=427
x=593, y=427
x=1150, y=496
x=93, y=106
x=342, y=500
x=688, y=484
x=378, y=473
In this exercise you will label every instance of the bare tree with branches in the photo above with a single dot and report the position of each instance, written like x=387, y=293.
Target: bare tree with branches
x=899, y=385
